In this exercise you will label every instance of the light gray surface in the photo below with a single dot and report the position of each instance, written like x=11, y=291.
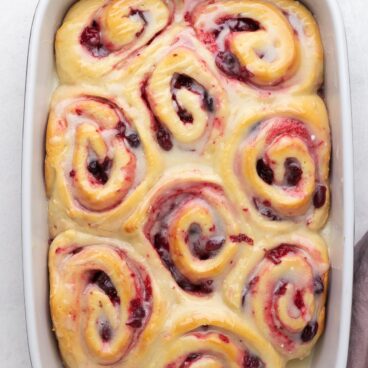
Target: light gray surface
x=15, y=22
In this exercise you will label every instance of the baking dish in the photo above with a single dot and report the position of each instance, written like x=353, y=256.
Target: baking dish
x=41, y=81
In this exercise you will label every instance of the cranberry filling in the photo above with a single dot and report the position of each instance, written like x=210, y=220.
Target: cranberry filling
x=264, y=172
x=132, y=138
x=91, y=40
x=309, y=331
x=184, y=81
x=140, y=14
x=164, y=138
x=162, y=247
x=190, y=359
x=162, y=134
x=319, y=198
x=251, y=361
x=100, y=170
x=249, y=288
x=275, y=255
x=237, y=25
x=264, y=209
x=121, y=128
x=293, y=171
x=105, y=332
x=137, y=313
x=298, y=300
x=318, y=285
x=229, y=64
x=200, y=246
x=241, y=238
x=103, y=281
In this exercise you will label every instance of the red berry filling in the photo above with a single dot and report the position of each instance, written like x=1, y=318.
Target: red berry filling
x=105, y=331
x=275, y=254
x=162, y=247
x=137, y=313
x=202, y=247
x=264, y=208
x=251, y=361
x=100, y=170
x=91, y=40
x=293, y=171
x=309, y=332
x=264, y=172
x=319, y=198
x=184, y=81
x=103, y=281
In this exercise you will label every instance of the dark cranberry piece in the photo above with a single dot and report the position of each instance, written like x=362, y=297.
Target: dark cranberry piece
x=164, y=139
x=264, y=172
x=90, y=37
x=251, y=361
x=240, y=24
x=161, y=245
x=265, y=210
x=91, y=40
x=103, y=281
x=76, y=251
x=208, y=102
x=121, y=128
x=105, y=332
x=184, y=115
x=72, y=173
x=241, y=238
x=184, y=81
x=318, y=285
x=137, y=314
x=213, y=245
x=298, y=300
x=133, y=140
x=99, y=170
x=281, y=288
x=228, y=63
x=293, y=171
x=319, y=198
x=275, y=255
x=309, y=332
x=201, y=248
x=190, y=359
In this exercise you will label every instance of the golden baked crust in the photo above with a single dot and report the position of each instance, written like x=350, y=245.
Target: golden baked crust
x=187, y=171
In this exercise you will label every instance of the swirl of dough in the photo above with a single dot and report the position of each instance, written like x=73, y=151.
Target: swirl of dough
x=187, y=102
x=96, y=168
x=193, y=227
x=273, y=43
x=101, y=300
x=279, y=158
x=218, y=341
x=97, y=34
x=283, y=286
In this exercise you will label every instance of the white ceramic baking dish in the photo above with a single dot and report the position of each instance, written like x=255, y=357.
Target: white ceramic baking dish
x=41, y=81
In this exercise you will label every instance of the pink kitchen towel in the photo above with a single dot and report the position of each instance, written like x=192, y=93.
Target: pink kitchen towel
x=358, y=350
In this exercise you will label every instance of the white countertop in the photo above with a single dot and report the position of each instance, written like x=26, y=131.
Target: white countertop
x=15, y=20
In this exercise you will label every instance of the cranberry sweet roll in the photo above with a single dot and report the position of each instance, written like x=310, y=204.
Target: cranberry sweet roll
x=194, y=229
x=98, y=164
x=276, y=164
x=272, y=44
x=97, y=34
x=104, y=304
x=187, y=103
x=220, y=340
x=283, y=287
